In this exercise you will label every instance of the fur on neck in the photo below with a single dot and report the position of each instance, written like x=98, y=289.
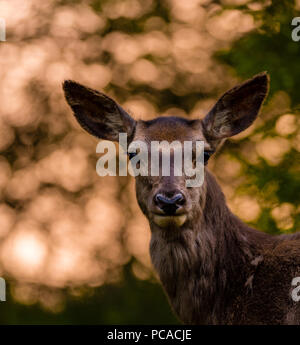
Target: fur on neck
x=202, y=263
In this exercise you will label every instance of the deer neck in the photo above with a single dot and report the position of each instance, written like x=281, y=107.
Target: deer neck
x=214, y=255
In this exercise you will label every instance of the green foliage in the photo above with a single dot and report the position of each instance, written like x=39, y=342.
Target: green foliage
x=270, y=48
x=273, y=184
x=131, y=301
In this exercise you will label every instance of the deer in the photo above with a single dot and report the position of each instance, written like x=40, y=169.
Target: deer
x=214, y=268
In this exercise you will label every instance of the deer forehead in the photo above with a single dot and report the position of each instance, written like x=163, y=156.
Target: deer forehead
x=170, y=129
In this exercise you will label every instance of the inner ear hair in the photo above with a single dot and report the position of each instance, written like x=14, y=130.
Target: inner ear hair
x=97, y=113
x=237, y=108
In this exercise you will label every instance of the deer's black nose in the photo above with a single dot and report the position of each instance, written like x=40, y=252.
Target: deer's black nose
x=169, y=205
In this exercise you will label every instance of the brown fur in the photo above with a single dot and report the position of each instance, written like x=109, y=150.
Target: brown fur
x=214, y=268
x=220, y=271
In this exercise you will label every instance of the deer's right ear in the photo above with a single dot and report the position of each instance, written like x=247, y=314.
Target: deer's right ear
x=237, y=108
x=97, y=113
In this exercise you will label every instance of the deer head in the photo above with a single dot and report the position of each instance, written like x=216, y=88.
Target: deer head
x=165, y=200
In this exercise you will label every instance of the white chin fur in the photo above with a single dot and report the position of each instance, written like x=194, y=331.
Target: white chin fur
x=166, y=221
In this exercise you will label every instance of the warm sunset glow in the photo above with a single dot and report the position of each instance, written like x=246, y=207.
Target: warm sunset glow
x=24, y=253
x=61, y=225
x=28, y=250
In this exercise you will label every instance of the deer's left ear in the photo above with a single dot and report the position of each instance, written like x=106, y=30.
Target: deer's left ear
x=97, y=113
x=237, y=108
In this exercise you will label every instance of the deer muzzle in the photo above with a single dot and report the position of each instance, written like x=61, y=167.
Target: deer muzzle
x=169, y=209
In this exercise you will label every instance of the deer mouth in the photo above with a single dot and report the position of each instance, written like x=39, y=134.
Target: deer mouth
x=165, y=221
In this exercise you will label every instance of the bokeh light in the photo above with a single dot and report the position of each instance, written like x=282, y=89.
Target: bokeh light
x=62, y=227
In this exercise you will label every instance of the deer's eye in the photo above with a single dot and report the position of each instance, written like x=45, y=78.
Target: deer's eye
x=206, y=156
x=131, y=154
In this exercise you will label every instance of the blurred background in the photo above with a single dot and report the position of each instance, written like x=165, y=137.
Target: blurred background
x=73, y=245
